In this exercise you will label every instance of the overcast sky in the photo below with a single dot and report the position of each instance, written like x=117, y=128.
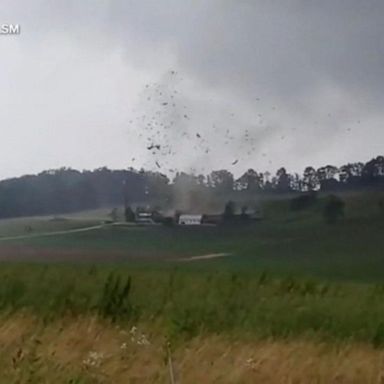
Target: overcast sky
x=294, y=82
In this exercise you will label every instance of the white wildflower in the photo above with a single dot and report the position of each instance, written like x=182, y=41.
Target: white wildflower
x=137, y=337
x=93, y=359
x=143, y=340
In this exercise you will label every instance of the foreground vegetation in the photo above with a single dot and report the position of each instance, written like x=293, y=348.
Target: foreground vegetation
x=184, y=304
x=102, y=324
x=297, y=299
x=87, y=350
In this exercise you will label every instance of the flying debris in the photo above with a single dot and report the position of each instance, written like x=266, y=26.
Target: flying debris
x=154, y=146
x=163, y=113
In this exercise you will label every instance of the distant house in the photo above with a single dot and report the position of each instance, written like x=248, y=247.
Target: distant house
x=190, y=219
x=144, y=218
x=212, y=219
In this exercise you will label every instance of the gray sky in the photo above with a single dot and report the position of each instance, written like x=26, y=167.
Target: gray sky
x=304, y=78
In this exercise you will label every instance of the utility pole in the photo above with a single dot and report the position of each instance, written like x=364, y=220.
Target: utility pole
x=125, y=195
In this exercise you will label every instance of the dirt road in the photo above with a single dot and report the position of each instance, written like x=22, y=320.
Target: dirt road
x=56, y=233
x=205, y=257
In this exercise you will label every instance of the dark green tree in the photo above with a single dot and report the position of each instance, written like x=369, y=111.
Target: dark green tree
x=229, y=210
x=129, y=214
x=310, y=179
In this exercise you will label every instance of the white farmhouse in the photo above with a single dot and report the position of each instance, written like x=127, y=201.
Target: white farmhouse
x=190, y=219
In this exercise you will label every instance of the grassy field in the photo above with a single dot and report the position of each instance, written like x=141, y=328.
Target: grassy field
x=294, y=293
x=90, y=351
x=103, y=324
x=285, y=243
x=187, y=303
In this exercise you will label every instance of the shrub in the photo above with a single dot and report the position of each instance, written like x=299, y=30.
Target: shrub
x=304, y=201
x=129, y=215
x=378, y=336
x=381, y=205
x=333, y=209
x=114, y=301
x=229, y=210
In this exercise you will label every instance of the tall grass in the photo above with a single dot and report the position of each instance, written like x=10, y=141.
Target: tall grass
x=186, y=303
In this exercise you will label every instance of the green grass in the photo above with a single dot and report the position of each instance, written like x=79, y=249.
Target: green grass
x=53, y=223
x=38, y=225
x=291, y=274
x=350, y=250
x=290, y=277
x=184, y=303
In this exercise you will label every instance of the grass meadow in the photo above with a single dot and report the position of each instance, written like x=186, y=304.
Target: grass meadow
x=297, y=300
x=102, y=324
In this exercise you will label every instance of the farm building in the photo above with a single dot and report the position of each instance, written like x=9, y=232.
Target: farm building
x=190, y=219
x=144, y=218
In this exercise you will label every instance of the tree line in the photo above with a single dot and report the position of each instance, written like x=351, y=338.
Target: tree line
x=67, y=190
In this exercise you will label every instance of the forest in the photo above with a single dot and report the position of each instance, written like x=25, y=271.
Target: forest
x=67, y=190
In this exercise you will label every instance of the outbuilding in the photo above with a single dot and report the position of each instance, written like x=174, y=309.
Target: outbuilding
x=190, y=219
